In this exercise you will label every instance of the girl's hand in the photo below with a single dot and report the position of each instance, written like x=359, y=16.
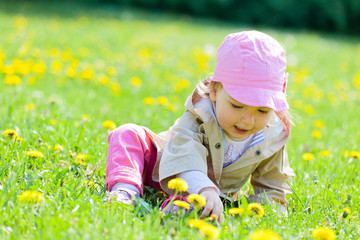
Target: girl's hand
x=213, y=203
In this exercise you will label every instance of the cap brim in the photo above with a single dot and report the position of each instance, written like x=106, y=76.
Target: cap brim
x=257, y=97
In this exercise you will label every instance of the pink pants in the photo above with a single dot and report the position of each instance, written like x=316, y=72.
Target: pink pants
x=131, y=158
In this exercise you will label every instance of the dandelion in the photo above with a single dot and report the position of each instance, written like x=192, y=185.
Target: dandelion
x=71, y=72
x=182, y=204
x=53, y=122
x=35, y=154
x=136, y=82
x=111, y=71
x=264, y=235
x=196, y=223
x=81, y=156
x=31, y=197
x=323, y=233
x=346, y=212
x=162, y=100
x=210, y=231
x=316, y=134
x=12, y=80
x=355, y=154
x=39, y=67
x=183, y=83
x=109, y=125
x=80, y=162
x=325, y=153
x=85, y=117
x=87, y=74
x=178, y=184
x=357, y=80
x=308, y=156
x=256, y=209
x=318, y=124
x=115, y=88
x=104, y=80
x=148, y=101
x=58, y=148
x=10, y=133
x=236, y=211
x=29, y=107
x=197, y=199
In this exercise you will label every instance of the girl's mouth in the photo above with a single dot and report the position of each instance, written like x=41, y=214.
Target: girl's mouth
x=240, y=131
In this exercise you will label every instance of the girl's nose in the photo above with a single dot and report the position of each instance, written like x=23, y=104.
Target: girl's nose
x=248, y=119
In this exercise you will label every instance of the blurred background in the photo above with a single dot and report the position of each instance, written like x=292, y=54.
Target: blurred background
x=341, y=16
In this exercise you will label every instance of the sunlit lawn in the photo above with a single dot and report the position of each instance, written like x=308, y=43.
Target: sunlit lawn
x=67, y=70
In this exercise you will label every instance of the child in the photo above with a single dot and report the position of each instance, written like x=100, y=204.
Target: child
x=235, y=126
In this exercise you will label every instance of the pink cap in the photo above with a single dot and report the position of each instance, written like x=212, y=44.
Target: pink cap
x=251, y=67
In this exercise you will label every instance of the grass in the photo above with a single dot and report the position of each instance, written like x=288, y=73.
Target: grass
x=116, y=48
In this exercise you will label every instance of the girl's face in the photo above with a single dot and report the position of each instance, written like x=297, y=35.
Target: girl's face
x=236, y=119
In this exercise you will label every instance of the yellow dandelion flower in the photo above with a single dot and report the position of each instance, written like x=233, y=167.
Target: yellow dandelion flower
x=39, y=67
x=308, y=156
x=171, y=107
x=56, y=67
x=10, y=133
x=318, y=124
x=12, y=80
x=135, y=81
x=325, y=153
x=355, y=154
x=183, y=83
x=109, y=125
x=53, y=122
x=178, y=184
x=104, y=80
x=256, y=209
x=346, y=212
x=357, y=80
x=197, y=199
x=210, y=231
x=81, y=156
x=29, y=107
x=58, y=148
x=236, y=211
x=35, y=154
x=182, y=204
x=196, y=223
x=87, y=74
x=71, y=72
x=111, y=71
x=115, y=89
x=264, y=235
x=79, y=162
x=309, y=109
x=85, y=117
x=316, y=134
x=162, y=100
x=323, y=233
x=148, y=101
x=31, y=197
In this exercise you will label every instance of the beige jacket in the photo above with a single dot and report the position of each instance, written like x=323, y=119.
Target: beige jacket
x=195, y=142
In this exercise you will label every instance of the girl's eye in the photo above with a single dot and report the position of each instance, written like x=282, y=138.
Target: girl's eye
x=263, y=111
x=235, y=106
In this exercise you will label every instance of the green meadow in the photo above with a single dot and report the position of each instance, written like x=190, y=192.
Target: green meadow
x=71, y=73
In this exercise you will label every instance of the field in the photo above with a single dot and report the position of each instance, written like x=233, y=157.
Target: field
x=69, y=74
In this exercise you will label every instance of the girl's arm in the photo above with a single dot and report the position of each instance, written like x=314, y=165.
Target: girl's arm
x=270, y=178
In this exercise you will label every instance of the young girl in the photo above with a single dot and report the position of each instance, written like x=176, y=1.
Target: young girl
x=235, y=126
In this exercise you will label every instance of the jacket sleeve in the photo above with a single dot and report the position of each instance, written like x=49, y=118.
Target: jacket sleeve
x=184, y=151
x=270, y=178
